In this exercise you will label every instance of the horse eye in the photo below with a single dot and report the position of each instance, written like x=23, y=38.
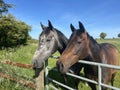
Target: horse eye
x=48, y=40
x=79, y=42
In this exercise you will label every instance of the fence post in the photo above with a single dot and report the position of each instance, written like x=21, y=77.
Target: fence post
x=40, y=81
x=99, y=77
x=46, y=75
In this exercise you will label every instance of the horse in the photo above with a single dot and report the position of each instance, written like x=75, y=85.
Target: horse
x=82, y=46
x=50, y=41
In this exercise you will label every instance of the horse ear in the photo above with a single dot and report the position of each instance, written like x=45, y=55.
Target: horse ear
x=50, y=25
x=81, y=26
x=72, y=28
x=43, y=27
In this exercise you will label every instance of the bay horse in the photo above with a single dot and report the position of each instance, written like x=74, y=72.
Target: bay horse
x=50, y=41
x=82, y=46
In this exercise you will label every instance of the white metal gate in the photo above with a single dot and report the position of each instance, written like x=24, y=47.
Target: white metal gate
x=99, y=83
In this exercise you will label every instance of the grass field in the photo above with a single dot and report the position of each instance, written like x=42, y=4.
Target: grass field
x=24, y=54
x=21, y=54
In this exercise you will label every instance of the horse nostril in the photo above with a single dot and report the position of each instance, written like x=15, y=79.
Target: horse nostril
x=34, y=67
x=34, y=64
x=60, y=66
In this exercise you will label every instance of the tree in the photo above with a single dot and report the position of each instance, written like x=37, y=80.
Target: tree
x=4, y=7
x=103, y=35
x=13, y=32
x=119, y=35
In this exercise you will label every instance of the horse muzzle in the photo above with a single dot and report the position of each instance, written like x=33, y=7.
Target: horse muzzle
x=37, y=67
x=61, y=67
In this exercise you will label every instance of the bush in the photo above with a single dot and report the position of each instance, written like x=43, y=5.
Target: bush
x=13, y=32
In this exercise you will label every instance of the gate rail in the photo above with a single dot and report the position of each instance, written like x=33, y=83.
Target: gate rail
x=99, y=83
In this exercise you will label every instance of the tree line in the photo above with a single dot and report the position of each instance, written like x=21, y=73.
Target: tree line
x=103, y=35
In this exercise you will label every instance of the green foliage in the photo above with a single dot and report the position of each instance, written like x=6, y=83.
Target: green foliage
x=103, y=35
x=119, y=35
x=13, y=32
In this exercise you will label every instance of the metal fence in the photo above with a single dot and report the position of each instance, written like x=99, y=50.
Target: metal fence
x=99, y=83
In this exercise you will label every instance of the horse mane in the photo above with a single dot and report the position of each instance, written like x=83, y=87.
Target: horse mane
x=62, y=36
x=93, y=41
x=62, y=40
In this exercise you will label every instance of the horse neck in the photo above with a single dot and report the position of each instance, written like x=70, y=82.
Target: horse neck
x=62, y=42
x=94, y=50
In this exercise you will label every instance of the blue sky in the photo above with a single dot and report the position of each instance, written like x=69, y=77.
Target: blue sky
x=96, y=15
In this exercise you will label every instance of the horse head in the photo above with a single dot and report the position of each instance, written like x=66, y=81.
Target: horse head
x=48, y=44
x=77, y=48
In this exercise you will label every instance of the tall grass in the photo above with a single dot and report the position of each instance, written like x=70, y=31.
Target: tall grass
x=21, y=54
x=24, y=54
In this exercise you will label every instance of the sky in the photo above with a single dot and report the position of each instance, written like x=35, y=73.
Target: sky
x=96, y=15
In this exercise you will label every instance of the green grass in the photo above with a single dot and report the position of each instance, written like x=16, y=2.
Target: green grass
x=21, y=54
x=24, y=54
